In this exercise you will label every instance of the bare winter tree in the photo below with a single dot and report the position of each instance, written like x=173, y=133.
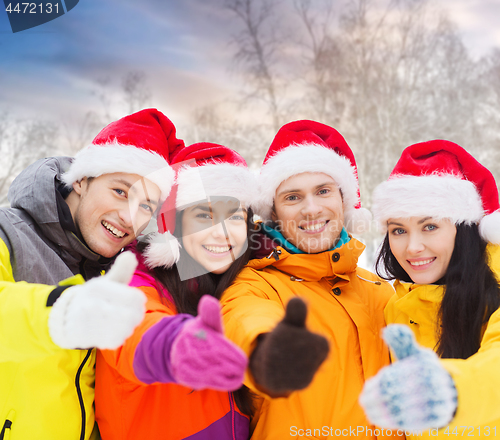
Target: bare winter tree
x=136, y=93
x=24, y=141
x=77, y=133
x=319, y=61
x=257, y=52
x=385, y=77
x=113, y=101
x=209, y=124
x=21, y=143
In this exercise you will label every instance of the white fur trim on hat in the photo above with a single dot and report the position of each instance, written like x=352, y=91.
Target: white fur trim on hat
x=162, y=250
x=489, y=227
x=437, y=195
x=215, y=179
x=306, y=158
x=96, y=160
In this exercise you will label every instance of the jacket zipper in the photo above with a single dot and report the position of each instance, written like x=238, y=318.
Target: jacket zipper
x=6, y=425
x=231, y=402
x=79, y=392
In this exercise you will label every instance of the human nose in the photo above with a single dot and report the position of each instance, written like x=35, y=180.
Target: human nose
x=415, y=244
x=310, y=206
x=127, y=215
x=218, y=231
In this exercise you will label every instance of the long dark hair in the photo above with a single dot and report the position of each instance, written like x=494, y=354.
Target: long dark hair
x=187, y=293
x=471, y=295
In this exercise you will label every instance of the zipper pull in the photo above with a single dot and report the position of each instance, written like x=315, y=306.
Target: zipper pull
x=275, y=253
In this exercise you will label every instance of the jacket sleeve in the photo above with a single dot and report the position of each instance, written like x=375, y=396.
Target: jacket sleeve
x=477, y=380
x=250, y=307
x=25, y=309
x=144, y=357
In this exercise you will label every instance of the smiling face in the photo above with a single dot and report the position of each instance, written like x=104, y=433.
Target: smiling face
x=110, y=210
x=215, y=233
x=422, y=246
x=309, y=211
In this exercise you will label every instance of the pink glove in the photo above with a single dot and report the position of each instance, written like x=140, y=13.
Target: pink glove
x=202, y=357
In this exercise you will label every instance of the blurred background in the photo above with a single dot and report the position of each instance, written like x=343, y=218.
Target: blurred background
x=386, y=74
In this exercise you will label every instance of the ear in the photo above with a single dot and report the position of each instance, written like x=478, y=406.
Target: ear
x=274, y=217
x=79, y=186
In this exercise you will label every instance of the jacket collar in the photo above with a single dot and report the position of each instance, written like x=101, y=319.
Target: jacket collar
x=279, y=240
x=425, y=292
x=340, y=262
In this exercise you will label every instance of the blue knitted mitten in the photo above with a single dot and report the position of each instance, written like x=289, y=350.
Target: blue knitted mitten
x=415, y=393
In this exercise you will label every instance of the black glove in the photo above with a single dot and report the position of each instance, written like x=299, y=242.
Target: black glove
x=287, y=358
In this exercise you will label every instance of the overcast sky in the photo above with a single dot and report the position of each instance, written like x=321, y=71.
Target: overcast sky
x=182, y=45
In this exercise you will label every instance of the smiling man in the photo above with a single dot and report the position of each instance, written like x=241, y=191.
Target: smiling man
x=68, y=220
x=310, y=362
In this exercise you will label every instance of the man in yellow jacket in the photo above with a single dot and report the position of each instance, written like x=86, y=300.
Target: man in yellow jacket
x=309, y=369
x=68, y=220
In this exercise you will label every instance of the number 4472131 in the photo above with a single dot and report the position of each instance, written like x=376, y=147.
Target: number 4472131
x=469, y=431
x=33, y=8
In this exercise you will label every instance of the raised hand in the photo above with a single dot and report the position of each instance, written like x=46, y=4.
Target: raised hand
x=287, y=358
x=414, y=393
x=101, y=313
x=202, y=357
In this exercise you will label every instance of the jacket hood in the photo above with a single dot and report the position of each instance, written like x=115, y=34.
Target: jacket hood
x=34, y=191
x=339, y=262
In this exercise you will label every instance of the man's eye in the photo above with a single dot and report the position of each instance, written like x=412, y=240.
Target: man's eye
x=291, y=198
x=324, y=191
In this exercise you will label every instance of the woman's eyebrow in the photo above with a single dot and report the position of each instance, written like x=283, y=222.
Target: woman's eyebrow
x=202, y=208
x=394, y=223
x=424, y=220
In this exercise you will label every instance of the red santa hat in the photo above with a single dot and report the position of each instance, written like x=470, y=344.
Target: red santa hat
x=204, y=170
x=141, y=143
x=308, y=146
x=440, y=179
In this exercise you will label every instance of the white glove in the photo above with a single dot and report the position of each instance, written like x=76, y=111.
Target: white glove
x=415, y=393
x=101, y=313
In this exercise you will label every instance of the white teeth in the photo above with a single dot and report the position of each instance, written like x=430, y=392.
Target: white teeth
x=113, y=230
x=217, y=249
x=314, y=227
x=421, y=263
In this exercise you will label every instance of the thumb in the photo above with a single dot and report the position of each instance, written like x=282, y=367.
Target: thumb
x=209, y=312
x=123, y=268
x=296, y=312
x=400, y=340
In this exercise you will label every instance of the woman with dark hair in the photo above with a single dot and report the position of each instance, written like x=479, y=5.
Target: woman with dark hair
x=177, y=376
x=440, y=209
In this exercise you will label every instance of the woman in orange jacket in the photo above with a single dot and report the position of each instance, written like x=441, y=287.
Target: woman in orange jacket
x=177, y=377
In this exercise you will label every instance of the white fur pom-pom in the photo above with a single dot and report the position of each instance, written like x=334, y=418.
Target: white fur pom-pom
x=358, y=221
x=489, y=227
x=163, y=250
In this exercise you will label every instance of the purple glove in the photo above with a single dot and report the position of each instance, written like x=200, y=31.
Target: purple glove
x=202, y=357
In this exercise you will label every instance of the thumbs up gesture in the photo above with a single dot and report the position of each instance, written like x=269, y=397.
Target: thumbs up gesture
x=287, y=358
x=202, y=357
x=414, y=393
x=101, y=313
